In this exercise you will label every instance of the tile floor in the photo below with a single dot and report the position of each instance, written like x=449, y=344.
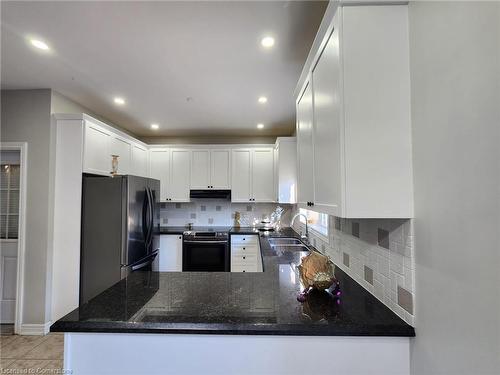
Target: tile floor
x=31, y=354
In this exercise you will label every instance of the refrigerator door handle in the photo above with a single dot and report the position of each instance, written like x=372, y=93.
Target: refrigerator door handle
x=150, y=218
x=145, y=218
x=145, y=263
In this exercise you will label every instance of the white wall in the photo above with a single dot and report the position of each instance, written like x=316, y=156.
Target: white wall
x=455, y=77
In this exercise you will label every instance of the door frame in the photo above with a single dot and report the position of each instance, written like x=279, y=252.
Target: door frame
x=22, y=147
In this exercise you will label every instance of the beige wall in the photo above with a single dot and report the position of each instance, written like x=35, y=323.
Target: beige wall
x=208, y=140
x=61, y=104
x=455, y=77
x=25, y=117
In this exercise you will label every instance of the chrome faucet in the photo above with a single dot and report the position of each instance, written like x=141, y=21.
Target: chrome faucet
x=306, y=236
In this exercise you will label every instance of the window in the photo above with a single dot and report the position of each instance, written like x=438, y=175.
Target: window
x=316, y=221
x=9, y=201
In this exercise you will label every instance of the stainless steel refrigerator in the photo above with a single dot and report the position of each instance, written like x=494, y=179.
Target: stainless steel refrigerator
x=120, y=230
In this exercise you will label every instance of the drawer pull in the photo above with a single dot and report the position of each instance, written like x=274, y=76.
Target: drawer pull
x=244, y=257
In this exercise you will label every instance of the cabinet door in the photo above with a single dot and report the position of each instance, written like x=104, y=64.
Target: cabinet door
x=122, y=148
x=241, y=175
x=139, y=161
x=159, y=164
x=287, y=171
x=180, y=173
x=97, y=158
x=220, y=169
x=305, y=147
x=276, y=173
x=263, y=175
x=170, y=253
x=327, y=137
x=200, y=169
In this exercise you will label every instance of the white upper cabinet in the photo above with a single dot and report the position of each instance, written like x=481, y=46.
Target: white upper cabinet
x=97, y=156
x=263, y=175
x=200, y=169
x=159, y=168
x=220, y=169
x=102, y=141
x=356, y=102
x=140, y=160
x=210, y=169
x=326, y=130
x=180, y=175
x=253, y=175
x=305, y=180
x=241, y=190
x=122, y=148
x=285, y=169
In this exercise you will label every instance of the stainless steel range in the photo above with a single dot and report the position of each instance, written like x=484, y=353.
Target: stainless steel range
x=206, y=250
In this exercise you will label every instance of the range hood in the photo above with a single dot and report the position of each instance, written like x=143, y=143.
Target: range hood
x=220, y=194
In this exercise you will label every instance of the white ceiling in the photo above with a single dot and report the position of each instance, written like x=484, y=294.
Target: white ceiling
x=157, y=54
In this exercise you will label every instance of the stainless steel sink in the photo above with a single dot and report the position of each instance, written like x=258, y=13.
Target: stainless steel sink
x=285, y=243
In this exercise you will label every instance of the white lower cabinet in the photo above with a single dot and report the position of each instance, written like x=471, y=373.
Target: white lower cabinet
x=170, y=255
x=245, y=253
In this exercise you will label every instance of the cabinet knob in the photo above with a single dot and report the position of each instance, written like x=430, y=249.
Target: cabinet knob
x=244, y=257
x=243, y=270
x=244, y=248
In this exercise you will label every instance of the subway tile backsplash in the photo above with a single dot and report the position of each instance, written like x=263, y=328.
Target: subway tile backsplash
x=378, y=254
x=218, y=212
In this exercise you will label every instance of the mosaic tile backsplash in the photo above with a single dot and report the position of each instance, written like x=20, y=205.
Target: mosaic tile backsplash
x=378, y=254
x=218, y=212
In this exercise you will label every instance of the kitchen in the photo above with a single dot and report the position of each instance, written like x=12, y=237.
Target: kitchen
x=290, y=195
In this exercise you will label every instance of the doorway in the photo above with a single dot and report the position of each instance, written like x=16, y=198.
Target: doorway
x=12, y=208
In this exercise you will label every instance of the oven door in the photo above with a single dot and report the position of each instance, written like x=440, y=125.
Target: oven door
x=205, y=256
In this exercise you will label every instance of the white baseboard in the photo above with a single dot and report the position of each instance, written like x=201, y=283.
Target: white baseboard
x=35, y=329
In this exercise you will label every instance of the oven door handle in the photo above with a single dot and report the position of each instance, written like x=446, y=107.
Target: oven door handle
x=187, y=241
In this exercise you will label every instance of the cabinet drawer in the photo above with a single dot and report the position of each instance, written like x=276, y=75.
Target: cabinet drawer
x=244, y=268
x=244, y=259
x=245, y=239
x=244, y=249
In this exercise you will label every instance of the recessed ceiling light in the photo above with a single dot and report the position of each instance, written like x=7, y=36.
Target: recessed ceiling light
x=119, y=101
x=267, y=42
x=155, y=126
x=262, y=100
x=39, y=44
x=260, y=126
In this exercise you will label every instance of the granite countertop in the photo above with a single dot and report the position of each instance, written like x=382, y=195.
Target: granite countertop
x=263, y=303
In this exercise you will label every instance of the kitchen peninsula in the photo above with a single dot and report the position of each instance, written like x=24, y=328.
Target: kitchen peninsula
x=159, y=321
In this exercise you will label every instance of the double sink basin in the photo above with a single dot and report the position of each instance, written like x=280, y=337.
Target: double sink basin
x=287, y=244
